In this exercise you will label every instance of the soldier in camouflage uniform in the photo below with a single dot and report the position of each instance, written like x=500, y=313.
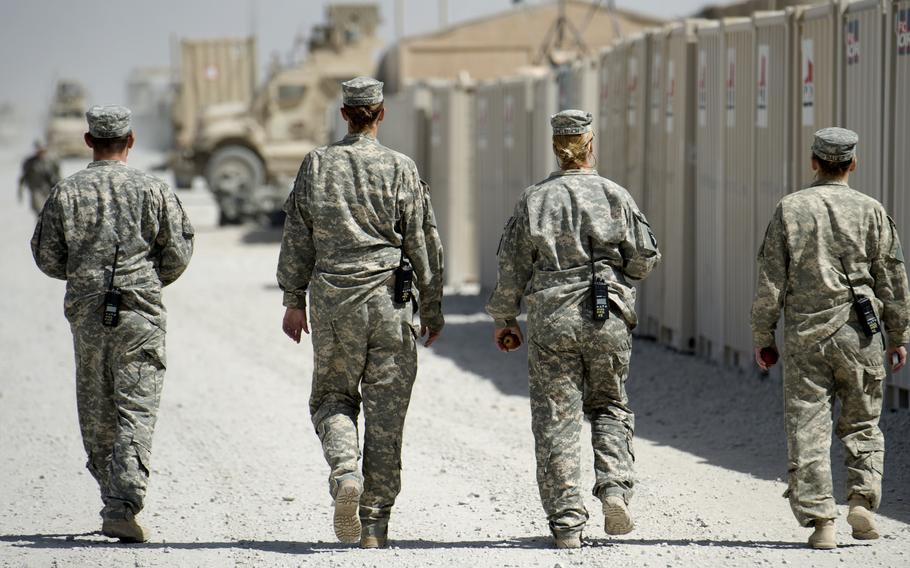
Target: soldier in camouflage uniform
x=111, y=211
x=357, y=209
x=819, y=240
x=560, y=227
x=39, y=174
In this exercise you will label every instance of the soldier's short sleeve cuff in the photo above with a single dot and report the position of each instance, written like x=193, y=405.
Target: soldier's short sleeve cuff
x=508, y=322
x=295, y=299
x=762, y=339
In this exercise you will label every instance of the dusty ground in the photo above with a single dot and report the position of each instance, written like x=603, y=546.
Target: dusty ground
x=238, y=476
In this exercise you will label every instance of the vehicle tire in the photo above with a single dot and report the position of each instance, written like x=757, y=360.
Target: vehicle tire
x=233, y=174
x=183, y=180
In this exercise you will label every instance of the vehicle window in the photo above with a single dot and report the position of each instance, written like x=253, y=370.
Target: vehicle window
x=290, y=95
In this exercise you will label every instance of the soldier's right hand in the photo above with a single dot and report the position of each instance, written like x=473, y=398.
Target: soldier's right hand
x=294, y=322
x=897, y=358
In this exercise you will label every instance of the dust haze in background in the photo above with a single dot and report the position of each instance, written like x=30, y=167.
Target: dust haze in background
x=100, y=42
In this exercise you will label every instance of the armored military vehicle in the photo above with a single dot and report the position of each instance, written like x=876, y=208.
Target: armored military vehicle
x=249, y=153
x=66, y=121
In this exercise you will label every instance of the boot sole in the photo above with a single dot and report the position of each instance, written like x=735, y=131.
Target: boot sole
x=617, y=520
x=822, y=546
x=347, y=519
x=568, y=543
x=863, y=526
x=373, y=542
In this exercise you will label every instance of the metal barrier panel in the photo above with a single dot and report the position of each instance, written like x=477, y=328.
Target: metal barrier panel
x=677, y=326
x=636, y=54
x=407, y=123
x=773, y=115
x=489, y=178
x=818, y=53
x=738, y=188
x=451, y=182
x=709, y=219
x=517, y=96
x=897, y=128
x=654, y=163
x=543, y=161
x=637, y=59
x=611, y=126
x=863, y=72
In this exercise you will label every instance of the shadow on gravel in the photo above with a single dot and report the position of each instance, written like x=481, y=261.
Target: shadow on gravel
x=95, y=540
x=729, y=418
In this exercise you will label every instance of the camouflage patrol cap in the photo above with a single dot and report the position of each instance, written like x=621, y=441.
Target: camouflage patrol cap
x=835, y=144
x=108, y=121
x=569, y=122
x=361, y=91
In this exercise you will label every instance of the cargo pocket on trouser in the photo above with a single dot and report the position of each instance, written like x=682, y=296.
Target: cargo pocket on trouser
x=873, y=380
x=865, y=466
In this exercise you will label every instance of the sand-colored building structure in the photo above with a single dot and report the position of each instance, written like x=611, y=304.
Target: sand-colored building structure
x=498, y=45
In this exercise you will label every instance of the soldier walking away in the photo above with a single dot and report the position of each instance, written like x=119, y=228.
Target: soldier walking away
x=359, y=228
x=40, y=174
x=832, y=260
x=117, y=236
x=575, y=241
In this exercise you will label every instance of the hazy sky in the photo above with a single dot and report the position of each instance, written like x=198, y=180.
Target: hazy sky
x=99, y=42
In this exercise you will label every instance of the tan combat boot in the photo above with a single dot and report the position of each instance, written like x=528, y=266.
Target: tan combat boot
x=862, y=519
x=347, y=519
x=567, y=541
x=124, y=527
x=374, y=536
x=823, y=537
x=617, y=518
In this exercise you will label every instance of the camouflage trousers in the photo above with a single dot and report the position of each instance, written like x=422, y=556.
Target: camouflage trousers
x=119, y=375
x=577, y=368
x=367, y=356
x=848, y=367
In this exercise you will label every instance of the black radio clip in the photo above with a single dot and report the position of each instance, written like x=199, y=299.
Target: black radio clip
x=112, y=298
x=865, y=311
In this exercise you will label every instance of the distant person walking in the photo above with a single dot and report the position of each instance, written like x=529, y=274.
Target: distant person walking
x=575, y=242
x=39, y=175
x=359, y=227
x=832, y=260
x=117, y=236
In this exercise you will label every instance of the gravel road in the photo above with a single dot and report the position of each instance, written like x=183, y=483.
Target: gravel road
x=238, y=476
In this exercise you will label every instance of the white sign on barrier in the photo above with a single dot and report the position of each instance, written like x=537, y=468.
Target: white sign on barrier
x=702, y=87
x=731, y=87
x=903, y=32
x=507, y=116
x=655, y=87
x=808, y=81
x=632, y=88
x=671, y=92
x=761, y=99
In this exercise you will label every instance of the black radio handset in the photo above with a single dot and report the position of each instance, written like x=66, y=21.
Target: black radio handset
x=112, y=298
x=865, y=311
x=600, y=298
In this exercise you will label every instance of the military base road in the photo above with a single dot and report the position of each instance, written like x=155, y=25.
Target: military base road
x=238, y=477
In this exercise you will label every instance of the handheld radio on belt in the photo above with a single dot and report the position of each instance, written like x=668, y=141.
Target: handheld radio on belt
x=865, y=312
x=111, y=315
x=404, y=274
x=599, y=294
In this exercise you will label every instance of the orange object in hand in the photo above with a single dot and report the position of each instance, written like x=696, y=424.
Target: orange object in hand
x=510, y=341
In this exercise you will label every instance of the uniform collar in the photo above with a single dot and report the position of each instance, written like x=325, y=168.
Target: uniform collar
x=102, y=163
x=575, y=172
x=353, y=137
x=820, y=182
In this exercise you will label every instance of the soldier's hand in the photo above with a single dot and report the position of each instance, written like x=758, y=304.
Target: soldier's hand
x=433, y=335
x=505, y=345
x=897, y=363
x=295, y=322
x=766, y=357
